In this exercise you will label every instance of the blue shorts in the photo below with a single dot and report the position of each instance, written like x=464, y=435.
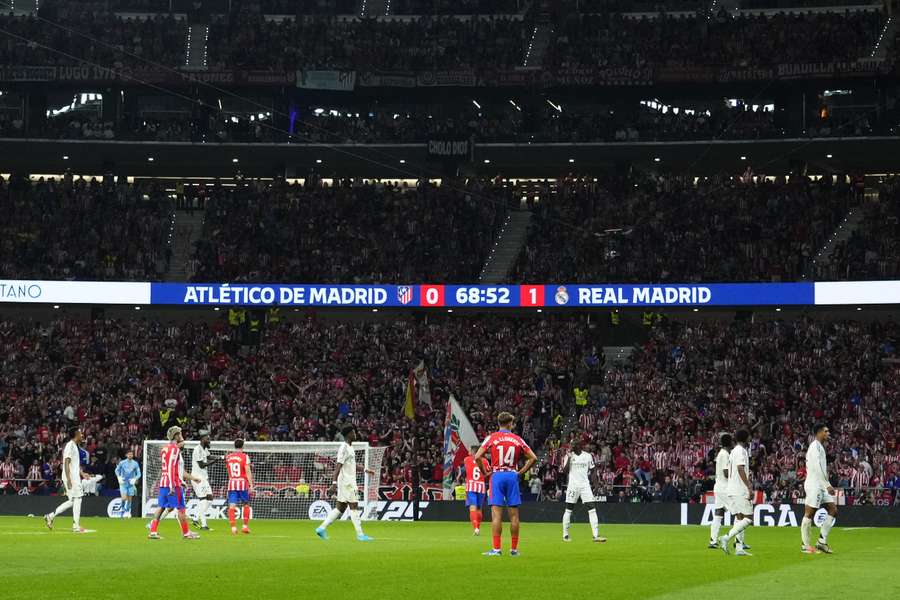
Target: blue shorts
x=173, y=498
x=475, y=499
x=239, y=497
x=505, y=489
x=127, y=490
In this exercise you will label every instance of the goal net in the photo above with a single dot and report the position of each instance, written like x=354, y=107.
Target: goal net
x=292, y=479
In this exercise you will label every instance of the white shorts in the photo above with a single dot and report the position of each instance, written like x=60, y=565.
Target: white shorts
x=347, y=493
x=584, y=492
x=77, y=491
x=720, y=499
x=202, y=489
x=816, y=496
x=739, y=505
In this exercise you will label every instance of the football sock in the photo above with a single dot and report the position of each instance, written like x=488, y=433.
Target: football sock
x=739, y=527
x=496, y=542
x=567, y=520
x=182, y=520
x=76, y=512
x=232, y=516
x=714, y=528
x=357, y=524
x=204, y=506
x=473, y=518
x=595, y=525
x=154, y=525
x=62, y=508
x=331, y=518
x=479, y=516
x=805, y=525
x=245, y=513
x=515, y=543
x=826, y=528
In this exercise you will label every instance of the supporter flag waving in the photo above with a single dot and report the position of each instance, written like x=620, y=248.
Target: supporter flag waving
x=458, y=437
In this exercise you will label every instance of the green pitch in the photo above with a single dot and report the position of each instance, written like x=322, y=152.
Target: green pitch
x=433, y=560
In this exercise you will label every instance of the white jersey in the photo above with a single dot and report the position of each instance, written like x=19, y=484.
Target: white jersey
x=347, y=459
x=816, y=466
x=71, y=452
x=722, y=459
x=738, y=457
x=580, y=466
x=200, y=454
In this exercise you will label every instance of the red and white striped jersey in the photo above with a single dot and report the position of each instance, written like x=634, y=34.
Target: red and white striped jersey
x=236, y=464
x=475, y=477
x=7, y=470
x=172, y=466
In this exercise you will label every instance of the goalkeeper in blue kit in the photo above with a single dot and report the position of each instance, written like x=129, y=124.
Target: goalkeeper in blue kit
x=128, y=473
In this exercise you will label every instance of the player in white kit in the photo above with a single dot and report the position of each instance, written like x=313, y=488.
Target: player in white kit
x=819, y=493
x=344, y=481
x=201, y=458
x=71, y=476
x=719, y=493
x=739, y=492
x=579, y=465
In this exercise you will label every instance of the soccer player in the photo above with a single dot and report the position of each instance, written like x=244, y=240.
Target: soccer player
x=201, y=458
x=128, y=472
x=344, y=481
x=505, y=448
x=818, y=492
x=71, y=476
x=726, y=443
x=739, y=492
x=240, y=485
x=579, y=466
x=476, y=477
x=171, y=484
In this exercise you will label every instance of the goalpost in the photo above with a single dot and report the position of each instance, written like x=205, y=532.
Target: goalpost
x=291, y=478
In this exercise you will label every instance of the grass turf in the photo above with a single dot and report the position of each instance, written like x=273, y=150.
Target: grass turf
x=432, y=560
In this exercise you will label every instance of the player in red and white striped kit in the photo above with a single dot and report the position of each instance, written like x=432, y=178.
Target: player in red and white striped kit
x=171, y=484
x=477, y=473
x=240, y=484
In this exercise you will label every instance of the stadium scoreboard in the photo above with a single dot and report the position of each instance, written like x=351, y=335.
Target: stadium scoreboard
x=451, y=296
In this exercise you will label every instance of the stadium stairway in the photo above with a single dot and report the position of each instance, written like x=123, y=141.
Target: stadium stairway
x=541, y=37
x=374, y=8
x=195, y=47
x=507, y=247
x=843, y=232
x=188, y=227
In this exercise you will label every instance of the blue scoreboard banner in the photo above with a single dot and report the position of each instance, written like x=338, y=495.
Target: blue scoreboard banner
x=451, y=296
x=482, y=296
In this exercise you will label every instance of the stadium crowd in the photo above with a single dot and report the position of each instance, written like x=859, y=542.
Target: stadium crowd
x=669, y=228
x=81, y=37
x=124, y=381
x=614, y=40
x=872, y=251
x=365, y=45
x=83, y=229
x=653, y=423
x=347, y=232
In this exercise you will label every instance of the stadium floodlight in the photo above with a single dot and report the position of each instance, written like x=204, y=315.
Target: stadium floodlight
x=829, y=156
x=234, y=160
x=656, y=159
x=571, y=160
x=292, y=479
x=65, y=157
x=149, y=159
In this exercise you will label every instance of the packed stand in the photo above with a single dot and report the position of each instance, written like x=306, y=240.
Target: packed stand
x=873, y=250
x=126, y=42
x=654, y=421
x=348, y=232
x=673, y=229
x=124, y=381
x=423, y=44
x=85, y=230
x=611, y=40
